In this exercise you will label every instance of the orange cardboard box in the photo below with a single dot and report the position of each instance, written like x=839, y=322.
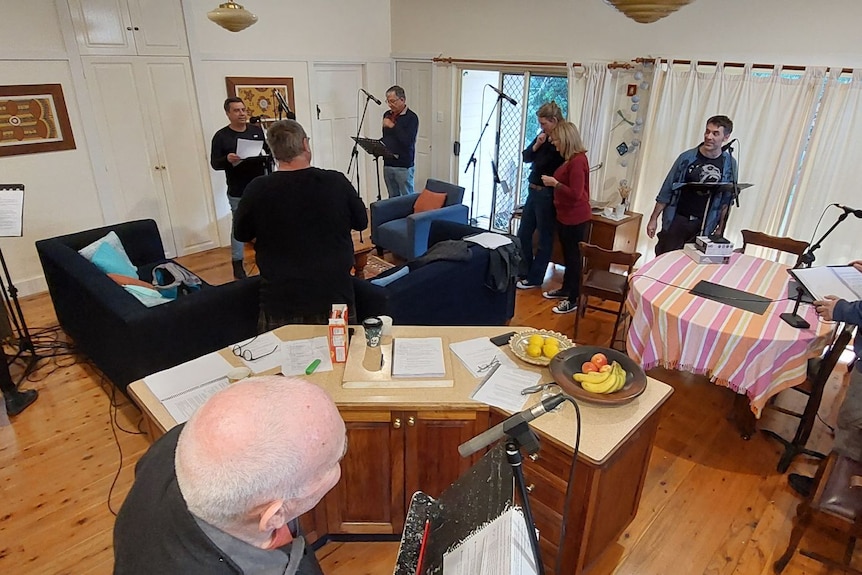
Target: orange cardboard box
x=338, y=333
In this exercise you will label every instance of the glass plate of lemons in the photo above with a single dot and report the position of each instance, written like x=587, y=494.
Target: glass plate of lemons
x=538, y=346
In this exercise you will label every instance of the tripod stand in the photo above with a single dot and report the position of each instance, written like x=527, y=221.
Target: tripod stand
x=472, y=161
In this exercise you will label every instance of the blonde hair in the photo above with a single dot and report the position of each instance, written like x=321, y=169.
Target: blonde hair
x=568, y=140
x=550, y=110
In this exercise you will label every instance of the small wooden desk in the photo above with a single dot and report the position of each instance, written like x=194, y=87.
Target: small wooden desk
x=404, y=440
x=607, y=233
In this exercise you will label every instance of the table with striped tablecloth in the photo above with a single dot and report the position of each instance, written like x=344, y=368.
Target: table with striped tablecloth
x=755, y=355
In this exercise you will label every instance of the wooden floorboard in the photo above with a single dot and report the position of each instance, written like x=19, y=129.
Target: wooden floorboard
x=712, y=503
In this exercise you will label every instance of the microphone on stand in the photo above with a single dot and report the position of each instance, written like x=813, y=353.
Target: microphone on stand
x=254, y=119
x=848, y=210
x=281, y=102
x=500, y=430
x=370, y=97
x=728, y=145
x=500, y=93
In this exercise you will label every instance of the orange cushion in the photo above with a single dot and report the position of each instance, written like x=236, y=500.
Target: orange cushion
x=428, y=200
x=126, y=280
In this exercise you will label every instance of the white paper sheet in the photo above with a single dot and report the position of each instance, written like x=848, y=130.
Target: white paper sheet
x=297, y=355
x=266, y=348
x=842, y=281
x=188, y=375
x=503, y=388
x=183, y=405
x=478, y=353
x=418, y=357
x=489, y=240
x=11, y=211
x=502, y=547
x=248, y=148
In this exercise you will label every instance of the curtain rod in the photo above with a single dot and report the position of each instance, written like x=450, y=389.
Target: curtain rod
x=737, y=64
x=504, y=62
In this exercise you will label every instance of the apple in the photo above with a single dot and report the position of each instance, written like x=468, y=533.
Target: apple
x=589, y=367
x=599, y=360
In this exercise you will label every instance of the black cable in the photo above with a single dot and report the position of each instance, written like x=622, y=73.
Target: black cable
x=569, y=491
x=638, y=276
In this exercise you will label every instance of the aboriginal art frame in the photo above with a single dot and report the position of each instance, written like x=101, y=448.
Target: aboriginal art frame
x=34, y=119
x=258, y=94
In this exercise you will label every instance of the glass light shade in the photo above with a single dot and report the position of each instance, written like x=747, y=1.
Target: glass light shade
x=647, y=12
x=231, y=16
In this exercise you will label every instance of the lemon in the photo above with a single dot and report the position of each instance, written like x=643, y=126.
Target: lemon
x=550, y=350
x=536, y=339
x=534, y=350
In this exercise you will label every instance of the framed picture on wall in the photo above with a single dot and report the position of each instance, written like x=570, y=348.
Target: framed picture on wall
x=33, y=119
x=259, y=97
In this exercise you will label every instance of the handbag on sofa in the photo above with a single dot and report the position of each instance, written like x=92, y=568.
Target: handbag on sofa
x=172, y=280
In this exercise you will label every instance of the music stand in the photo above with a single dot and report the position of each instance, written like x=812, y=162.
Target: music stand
x=377, y=149
x=713, y=189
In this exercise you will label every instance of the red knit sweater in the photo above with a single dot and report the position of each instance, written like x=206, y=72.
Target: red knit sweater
x=572, y=196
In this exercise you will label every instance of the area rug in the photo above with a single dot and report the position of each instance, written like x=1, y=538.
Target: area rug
x=376, y=266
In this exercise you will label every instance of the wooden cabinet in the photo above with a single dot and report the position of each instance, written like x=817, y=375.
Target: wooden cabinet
x=129, y=27
x=392, y=454
x=618, y=235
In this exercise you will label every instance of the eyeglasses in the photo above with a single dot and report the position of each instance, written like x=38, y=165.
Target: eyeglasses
x=247, y=354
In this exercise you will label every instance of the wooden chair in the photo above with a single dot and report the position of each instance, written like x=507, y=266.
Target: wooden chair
x=819, y=371
x=836, y=504
x=787, y=245
x=598, y=281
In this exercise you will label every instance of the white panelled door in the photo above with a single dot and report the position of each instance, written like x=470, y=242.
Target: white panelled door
x=415, y=78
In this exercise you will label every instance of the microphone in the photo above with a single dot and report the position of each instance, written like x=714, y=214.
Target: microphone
x=254, y=119
x=370, y=97
x=727, y=146
x=497, y=432
x=847, y=210
x=282, y=103
x=509, y=99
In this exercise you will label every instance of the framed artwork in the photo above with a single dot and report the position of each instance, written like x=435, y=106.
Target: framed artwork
x=33, y=119
x=259, y=94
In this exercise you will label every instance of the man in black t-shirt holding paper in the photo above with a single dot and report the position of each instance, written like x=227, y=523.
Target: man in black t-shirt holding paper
x=683, y=209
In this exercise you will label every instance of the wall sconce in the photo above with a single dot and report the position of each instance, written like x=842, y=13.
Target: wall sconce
x=231, y=16
x=647, y=12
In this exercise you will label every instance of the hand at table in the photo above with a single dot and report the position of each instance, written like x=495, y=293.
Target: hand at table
x=824, y=307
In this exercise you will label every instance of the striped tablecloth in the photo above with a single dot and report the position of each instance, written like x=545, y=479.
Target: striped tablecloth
x=755, y=355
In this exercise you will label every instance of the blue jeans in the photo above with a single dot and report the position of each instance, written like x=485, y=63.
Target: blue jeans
x=538, y=215
x=236, y=247
x=399, y=181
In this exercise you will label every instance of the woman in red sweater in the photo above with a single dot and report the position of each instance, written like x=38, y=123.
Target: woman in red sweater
x=571, y=183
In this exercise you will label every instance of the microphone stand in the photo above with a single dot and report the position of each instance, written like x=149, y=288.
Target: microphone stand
x=354, y=154
x=520, y=435
x=472, y=160
x=808, y=257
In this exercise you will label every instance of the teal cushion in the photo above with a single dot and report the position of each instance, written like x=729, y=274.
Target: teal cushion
x=148, y=297
x=386, y=280
x=109, y=260
x=111, y=238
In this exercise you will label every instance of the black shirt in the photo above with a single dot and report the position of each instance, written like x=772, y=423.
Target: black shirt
x=701, y=170
x=238, y=177
x=401, y=140
x=545, y=161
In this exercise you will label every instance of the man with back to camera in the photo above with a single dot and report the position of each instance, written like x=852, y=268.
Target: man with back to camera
x=238, y=172
x=400, y=126
x=682, y=211
x=223, y=492
x=300, y=218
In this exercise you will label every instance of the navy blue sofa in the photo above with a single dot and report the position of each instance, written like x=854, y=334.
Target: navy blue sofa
x=125, y=339
x=440, y=292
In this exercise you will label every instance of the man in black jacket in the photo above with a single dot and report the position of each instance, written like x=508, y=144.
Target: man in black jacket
x=400, y=127
x=222, y=494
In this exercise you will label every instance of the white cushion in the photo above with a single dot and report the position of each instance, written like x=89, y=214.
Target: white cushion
x=114, y=241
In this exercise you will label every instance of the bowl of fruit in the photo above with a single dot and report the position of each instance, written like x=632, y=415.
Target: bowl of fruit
x=538, y=346
x=598, y=374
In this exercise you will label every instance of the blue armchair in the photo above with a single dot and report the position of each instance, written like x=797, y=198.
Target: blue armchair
x=396, y=228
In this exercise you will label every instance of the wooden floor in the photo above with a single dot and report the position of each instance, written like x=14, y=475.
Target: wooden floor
x=712, y=503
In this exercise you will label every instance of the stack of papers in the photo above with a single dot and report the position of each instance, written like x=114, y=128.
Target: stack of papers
x=418, y=357
x=184, y=388
x=501, y=547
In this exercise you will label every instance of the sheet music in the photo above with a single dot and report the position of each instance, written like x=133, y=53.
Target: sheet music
x=844, y=282
x=418, y=357
x=501, y=547
x=248, y=148
x=299, y=354
x=183, y=405
x=503, y=388
x=11, y=210
x=479, y=353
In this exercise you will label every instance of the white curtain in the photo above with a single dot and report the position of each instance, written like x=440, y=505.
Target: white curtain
x=595, y=118
x=828, y=175
x=771, y=115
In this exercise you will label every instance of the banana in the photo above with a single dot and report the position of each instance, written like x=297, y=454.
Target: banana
x=621, y=376
x=605, y=387
x=593, y=377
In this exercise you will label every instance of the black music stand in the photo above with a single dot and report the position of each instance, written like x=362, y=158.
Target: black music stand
x=377, y=149
x=714, y=189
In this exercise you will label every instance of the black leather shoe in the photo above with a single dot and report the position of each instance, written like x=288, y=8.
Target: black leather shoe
x=238, y=270
x=17, y=401
x=800, y=484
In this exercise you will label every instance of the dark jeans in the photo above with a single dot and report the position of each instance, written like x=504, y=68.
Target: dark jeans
x=538, y=215
x=848, y=431
x=680, y=232
x=569, y=238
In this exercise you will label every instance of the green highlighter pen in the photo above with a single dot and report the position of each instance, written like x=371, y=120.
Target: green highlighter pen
x=312, y=366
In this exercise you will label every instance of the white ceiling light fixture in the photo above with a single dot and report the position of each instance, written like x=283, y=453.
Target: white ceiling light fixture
x=647, y=12
x=232, y=16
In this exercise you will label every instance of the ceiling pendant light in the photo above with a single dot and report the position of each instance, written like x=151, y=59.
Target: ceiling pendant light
x=231, y=16
x=647, y=12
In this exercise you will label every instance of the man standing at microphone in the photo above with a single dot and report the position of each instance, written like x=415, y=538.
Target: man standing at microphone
x=238, y=171
x=682, y=211
x=400, y=126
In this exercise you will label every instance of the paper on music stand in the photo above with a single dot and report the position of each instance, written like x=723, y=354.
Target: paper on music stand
x=503, y=388
x=502, y=547
x=299, y=354
x=418, y=357
x=476, y=354
x=844, y=282
x=248, y=148
x=11, y=210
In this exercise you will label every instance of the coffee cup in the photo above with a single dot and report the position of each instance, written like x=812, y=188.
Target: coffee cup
x=238, y=374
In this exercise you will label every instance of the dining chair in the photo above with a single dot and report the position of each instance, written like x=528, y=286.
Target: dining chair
x=835, y=505
x=819, y=370
x=781, y=244
x=598, y=281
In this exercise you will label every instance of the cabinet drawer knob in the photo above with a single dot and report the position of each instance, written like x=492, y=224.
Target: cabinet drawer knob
x=397, y=423
x=530, y=487
x=129, y=28
x=411, y=421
